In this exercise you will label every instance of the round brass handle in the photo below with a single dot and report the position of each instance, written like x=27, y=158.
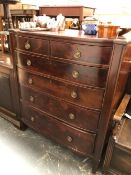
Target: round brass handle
x=30, y=81
x=31, y=98
x=27, y=45
x=28, y=63
x=75, y=74
x=32, y=119
x=71, y=116
x=77, y=54
x=73, y=94
x=69, y=139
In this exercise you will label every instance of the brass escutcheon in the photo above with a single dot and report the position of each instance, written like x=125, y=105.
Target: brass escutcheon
x=71, y=116
x=73, y=94
x=69, y=139
x=77, y=54
x=28, y=63
x=27, y=45
x=75, y=74
x=30, y=81
x=32, y=119
x=31, y=98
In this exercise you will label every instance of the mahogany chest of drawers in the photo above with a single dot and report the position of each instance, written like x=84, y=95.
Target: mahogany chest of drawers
x=67, y=83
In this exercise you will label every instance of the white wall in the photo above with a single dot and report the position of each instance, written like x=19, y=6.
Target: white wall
x=56, y=2
x=97, y=3
x=112, y=10
x=103, y=6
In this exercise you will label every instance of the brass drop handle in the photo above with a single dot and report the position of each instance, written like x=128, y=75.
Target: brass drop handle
x=73, y=94
x=69, y=139
x=30, y=81
x=31, y=99
x=32, y=119
x=75, y=74
x=27, y=45
x=77, y=54
x=71, y=116
x=28, y=62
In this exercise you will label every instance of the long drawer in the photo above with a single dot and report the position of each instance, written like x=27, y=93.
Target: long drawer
x=64, y=134
x=73, y=115
x=39, y=46
x=91, y=76
x=86, y=97
x=81, y=52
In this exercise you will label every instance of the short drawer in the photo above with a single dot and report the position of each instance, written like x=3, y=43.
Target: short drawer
x=86, y=97
x=39, y=46
x=79, y=141
x=73, y=115
x=81, y=52
x=91, y=76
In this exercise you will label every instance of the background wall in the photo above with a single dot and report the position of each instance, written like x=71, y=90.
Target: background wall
x=97, y=3
x=117, y=11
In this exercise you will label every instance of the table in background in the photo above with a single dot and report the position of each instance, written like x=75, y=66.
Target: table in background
x=20, y=14
x=67, y=11
x=1, y=16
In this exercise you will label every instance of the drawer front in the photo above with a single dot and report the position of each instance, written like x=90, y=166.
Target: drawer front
x=77, y=140
x=84, y=53
x=87, y=97
x=39, y=46
x=71, y=114
x=91, y=76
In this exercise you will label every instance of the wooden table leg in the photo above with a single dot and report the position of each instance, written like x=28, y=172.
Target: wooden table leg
x=1, y=24
x=2, y=38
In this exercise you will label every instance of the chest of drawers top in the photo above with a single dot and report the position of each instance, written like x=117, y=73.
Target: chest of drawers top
x=71, y=46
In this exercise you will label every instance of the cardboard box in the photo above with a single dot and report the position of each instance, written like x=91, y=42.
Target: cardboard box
x=20, y=6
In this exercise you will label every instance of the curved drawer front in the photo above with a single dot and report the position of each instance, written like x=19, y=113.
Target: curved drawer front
x=34, y=45
x=87, y=97
x=91, y=76
x=71, y=114
x=62, y=133
x=84, y=53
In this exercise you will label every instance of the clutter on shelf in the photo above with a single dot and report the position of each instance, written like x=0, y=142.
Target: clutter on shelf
x=44, y=22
